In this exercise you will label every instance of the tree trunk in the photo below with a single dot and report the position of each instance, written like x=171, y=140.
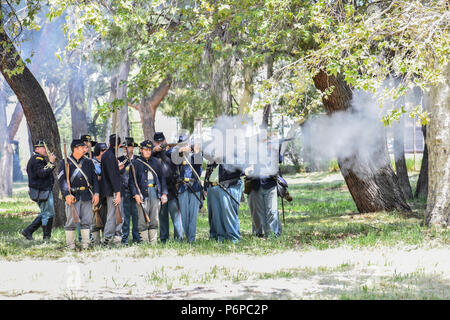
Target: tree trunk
x=438, y=142
x=15, y=121
x=149, y=105
x=77, y=102
x=400, y=162
x=6, y=150
x=110, y=120
x=37, y=110
x=248, y=74
x=370, y=179
x=268, y=108
x=422, y=182
x=220, y=89
x=123, y=127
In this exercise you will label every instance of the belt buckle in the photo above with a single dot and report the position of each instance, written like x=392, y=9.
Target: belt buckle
x=150, y=185
x=187, y=179
x=82, y=188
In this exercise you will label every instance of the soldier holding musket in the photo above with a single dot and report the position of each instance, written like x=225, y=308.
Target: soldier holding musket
x=81, y=192
x=112, y=188
x=129, y=204
x=40, y=181
x=148, y=186
x=190, y=189
x=163, y=154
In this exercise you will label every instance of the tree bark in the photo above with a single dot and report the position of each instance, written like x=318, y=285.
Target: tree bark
x=248, y=74
x=149, y=105
x=399, y=158
x=37, y=110
x=15, y=121
x=370, y=180
x=268, y=108
x=123, y=127
x=422, y=182
x=438, y=142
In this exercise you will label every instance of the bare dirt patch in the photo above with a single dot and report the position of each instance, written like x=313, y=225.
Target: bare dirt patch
x=318, y=274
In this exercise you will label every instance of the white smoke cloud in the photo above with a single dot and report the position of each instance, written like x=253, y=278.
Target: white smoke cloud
x=357, y=131
x=238, y=142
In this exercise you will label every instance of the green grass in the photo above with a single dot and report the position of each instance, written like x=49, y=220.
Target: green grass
x=322, y=215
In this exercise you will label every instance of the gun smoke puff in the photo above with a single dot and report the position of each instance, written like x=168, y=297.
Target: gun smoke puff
x=237, y=142
x=356, y=132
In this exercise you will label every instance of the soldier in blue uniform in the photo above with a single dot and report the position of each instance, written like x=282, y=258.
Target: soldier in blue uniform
x=224, y=191
x=189, y=189
x=40, y=181
x=83, y=194
x=112, y=189
x=147, y=185
x=172, y=207
x=129, y=204
x=99, y=150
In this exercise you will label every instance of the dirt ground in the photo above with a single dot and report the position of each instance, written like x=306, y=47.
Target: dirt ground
x=319, y=274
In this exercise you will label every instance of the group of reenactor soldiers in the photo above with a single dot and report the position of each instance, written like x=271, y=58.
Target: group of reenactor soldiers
x=103, y=192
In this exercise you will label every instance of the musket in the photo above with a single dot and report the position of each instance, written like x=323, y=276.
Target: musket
x=171, y=145
x=48, y=154
x=198, y=178
x=90, y=148
x=147, y=219
x=98, y=220
x=227, y=192
x=192, y=190
x=75, y=216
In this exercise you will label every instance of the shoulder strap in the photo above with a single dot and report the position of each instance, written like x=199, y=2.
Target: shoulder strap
x=82, y=173
x=139, y=159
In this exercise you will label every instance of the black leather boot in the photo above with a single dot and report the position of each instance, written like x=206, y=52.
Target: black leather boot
x=47, y=230
x=28, y=232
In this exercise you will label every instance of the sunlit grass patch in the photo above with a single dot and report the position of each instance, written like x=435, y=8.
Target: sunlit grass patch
x=322, y=215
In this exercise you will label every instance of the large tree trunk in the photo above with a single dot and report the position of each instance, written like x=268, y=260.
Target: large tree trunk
x=37, y=110
x=370, y=179
x=438, y=142
x=399, y=158
x=149, y=105
x=77, y=102
x=422, y=182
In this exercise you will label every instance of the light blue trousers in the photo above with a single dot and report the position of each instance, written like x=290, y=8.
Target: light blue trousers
x=171, y=207
x=223, y=212
x=263, y=205
x=47, y=209
x=189, y=206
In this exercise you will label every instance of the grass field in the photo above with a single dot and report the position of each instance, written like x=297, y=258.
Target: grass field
x=326, y=251
x=322, y=215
